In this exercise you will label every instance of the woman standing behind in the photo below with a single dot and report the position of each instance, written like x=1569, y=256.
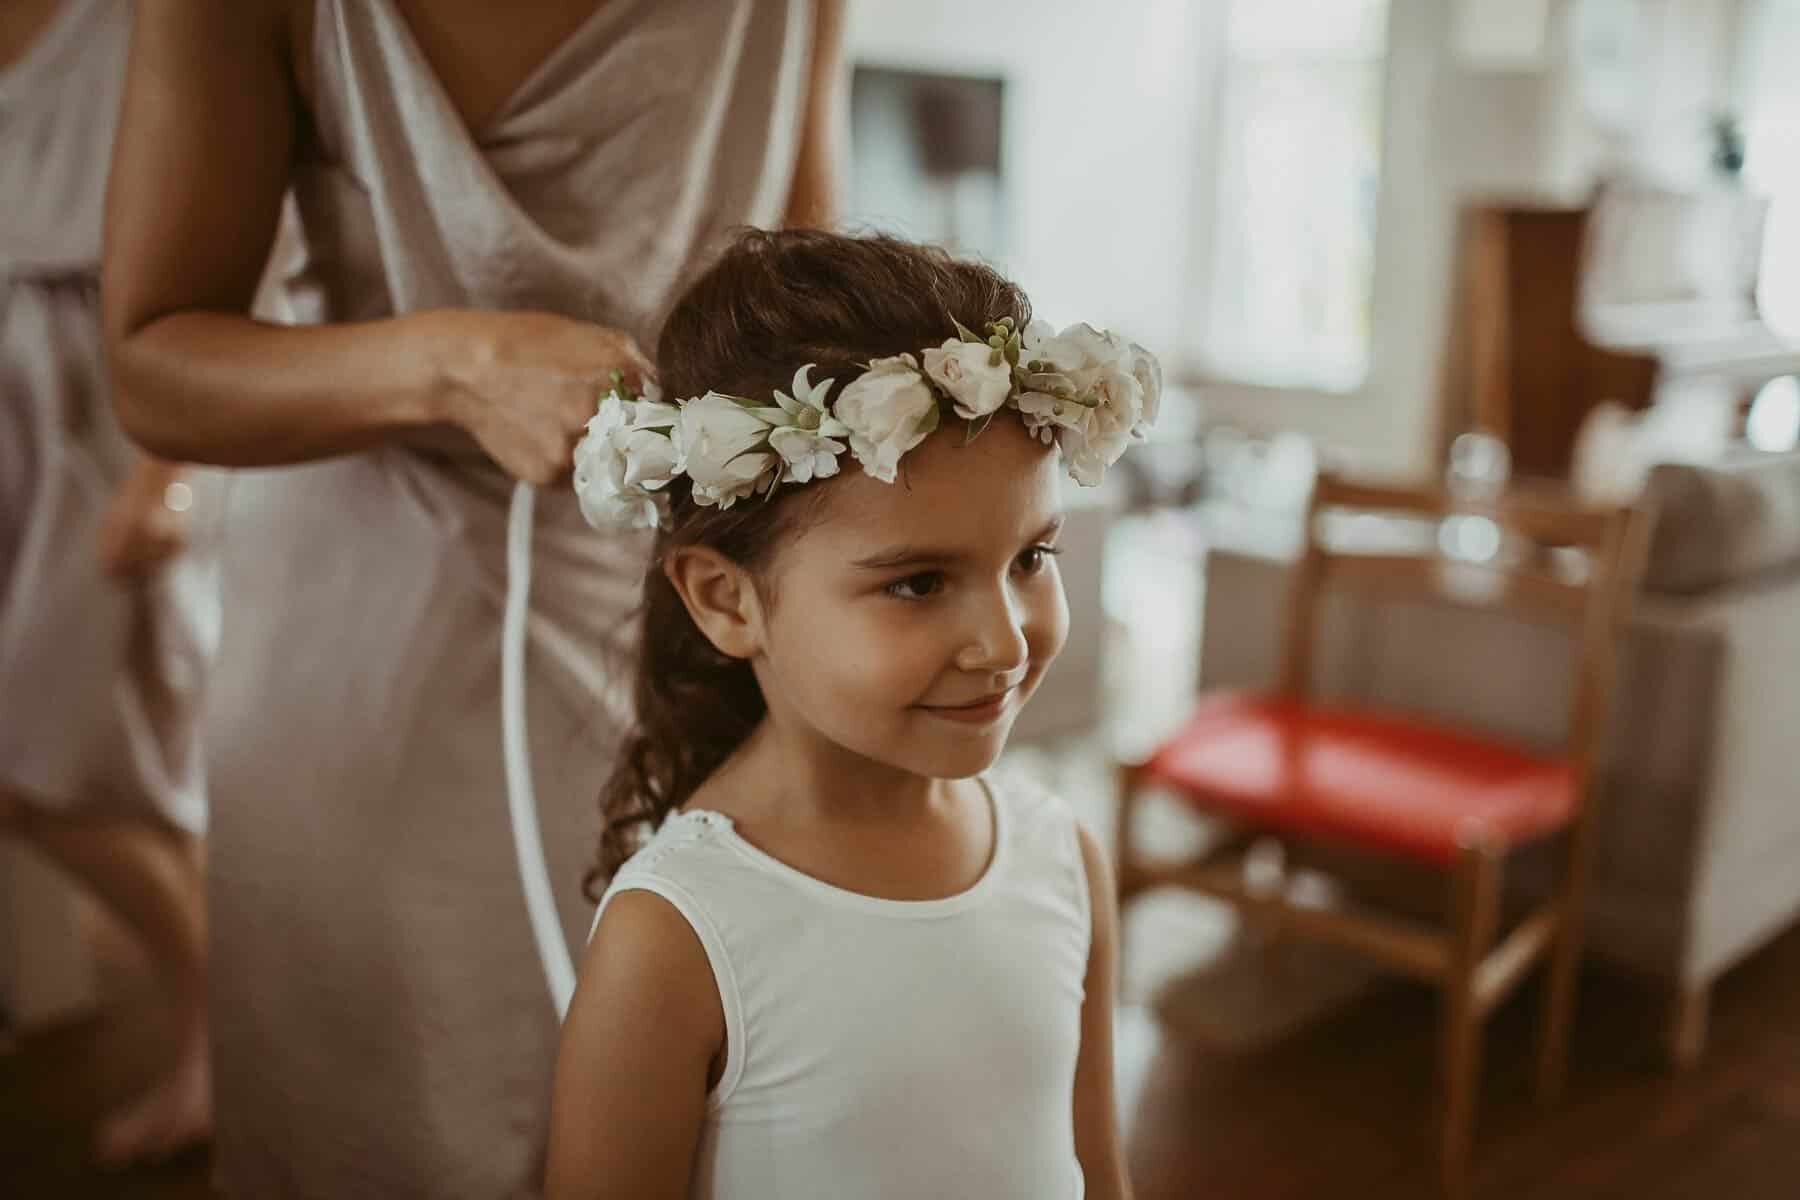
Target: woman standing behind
x=104, y=624
x=492, y=205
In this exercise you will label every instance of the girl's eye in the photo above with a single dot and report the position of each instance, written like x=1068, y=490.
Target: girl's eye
x=1036, y=559
x=917, y=587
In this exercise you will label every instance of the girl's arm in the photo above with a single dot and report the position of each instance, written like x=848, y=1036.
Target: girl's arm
x=1096, y=1122
x=643, y=1032
x=205, y=145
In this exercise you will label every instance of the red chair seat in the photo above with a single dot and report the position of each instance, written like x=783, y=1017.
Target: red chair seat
x=1378, y=781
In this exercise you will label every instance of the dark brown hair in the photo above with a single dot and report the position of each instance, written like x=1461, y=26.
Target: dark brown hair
x=772, y=302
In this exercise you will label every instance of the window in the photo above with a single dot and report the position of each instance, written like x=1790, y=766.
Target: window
x=1293, y=235
x=1772, y=154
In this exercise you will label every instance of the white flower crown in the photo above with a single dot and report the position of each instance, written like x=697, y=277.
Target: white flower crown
x=1086, y=391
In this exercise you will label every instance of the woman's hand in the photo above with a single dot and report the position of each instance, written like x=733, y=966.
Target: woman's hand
x=524, y=385
x=140, y=530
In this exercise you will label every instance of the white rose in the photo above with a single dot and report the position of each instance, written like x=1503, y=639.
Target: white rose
x=623, y=461
x=614, y=511
x=594, y=486
x=1111, y=426
x=644, y=414
x=1148, y=372
x=613, y=490
x=888, y=410
x=1075, y=349
x=1094, y=345
x=968, y=372
x=742, y=477
x=644, y=459
x=1037, y=343
x=612, y=414
x=722, y=446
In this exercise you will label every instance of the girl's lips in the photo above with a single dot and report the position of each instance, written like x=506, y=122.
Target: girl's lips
x=981, y=712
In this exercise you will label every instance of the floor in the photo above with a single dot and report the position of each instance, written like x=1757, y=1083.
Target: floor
x=1344, y=1109
x=1341, y=1109
x=55, y=1084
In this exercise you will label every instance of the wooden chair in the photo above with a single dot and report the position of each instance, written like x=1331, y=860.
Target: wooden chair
x=1302, y=772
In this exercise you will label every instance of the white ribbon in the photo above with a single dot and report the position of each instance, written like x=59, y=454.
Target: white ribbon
x=521, y=799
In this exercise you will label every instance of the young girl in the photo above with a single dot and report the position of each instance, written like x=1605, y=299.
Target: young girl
x=845, y=960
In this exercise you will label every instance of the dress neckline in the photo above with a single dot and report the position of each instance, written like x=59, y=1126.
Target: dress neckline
x=845, y=897
x=491, y=125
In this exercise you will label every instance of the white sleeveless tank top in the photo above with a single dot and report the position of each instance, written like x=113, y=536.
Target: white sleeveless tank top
x=882, y=1049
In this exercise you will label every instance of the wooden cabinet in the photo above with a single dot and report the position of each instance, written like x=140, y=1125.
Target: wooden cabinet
x=1519, y=365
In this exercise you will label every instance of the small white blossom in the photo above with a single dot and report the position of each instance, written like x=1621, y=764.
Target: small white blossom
x=806, y=454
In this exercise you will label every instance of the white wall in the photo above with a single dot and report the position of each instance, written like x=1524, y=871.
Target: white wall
x=1109, y=130
x=1098, y=139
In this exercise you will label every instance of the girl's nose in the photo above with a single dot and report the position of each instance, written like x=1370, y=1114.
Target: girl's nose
x=998, y=644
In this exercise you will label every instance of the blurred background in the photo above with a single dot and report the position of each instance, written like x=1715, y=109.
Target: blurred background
x=1498, y=248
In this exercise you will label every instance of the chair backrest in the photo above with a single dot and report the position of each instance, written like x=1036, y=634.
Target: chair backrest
x=1534, y=553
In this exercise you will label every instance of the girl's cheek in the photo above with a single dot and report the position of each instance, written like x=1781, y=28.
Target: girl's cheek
x=1049, y=628
x=868, y=640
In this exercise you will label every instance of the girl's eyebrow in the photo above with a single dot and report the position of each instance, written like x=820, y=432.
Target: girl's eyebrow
x=913, y=556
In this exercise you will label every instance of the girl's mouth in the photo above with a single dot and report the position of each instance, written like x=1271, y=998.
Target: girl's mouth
x=977, y=712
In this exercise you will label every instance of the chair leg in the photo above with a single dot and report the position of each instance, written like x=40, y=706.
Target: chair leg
x=1687, y=1025
x=1476, y=911
x=1125, y=801
x=1558, y=1012
x=1565, y=969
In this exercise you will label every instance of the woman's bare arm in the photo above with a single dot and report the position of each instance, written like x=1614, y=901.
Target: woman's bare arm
x=200, y=165
x=815, y=197
x=202, y=160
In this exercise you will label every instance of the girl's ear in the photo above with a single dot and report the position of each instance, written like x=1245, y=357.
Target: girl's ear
x=720, y=596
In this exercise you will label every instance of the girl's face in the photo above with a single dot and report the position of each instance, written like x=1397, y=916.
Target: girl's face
x=909, y=622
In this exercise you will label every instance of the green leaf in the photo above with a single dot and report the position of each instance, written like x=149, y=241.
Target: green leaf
x=929, y=422
x=965, y=333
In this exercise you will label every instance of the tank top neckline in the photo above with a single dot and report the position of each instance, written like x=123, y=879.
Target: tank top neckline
x=844, y=897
